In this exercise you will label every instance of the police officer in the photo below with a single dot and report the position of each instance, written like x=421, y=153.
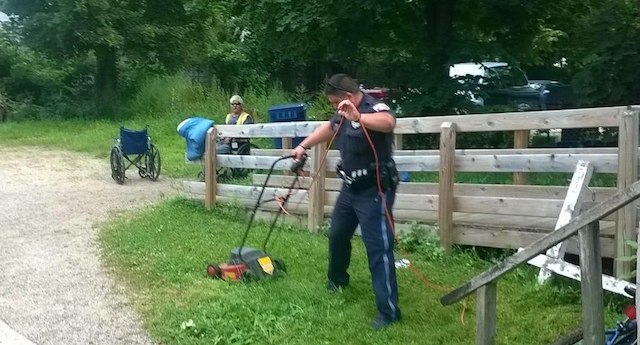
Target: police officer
x=360, y=200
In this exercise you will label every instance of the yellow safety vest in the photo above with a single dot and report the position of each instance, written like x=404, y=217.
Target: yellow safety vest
x=241, y=119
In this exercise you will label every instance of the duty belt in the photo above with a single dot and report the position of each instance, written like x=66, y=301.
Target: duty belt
x=363, y=178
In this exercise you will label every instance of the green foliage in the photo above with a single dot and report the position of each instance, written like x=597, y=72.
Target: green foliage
x=422, y=240
x=156, y=36
x=633, y=258
x=607, y=70
x=107, y=49
x=166, y=95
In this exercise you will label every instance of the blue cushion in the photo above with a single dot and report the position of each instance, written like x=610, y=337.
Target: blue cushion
x=194, y=131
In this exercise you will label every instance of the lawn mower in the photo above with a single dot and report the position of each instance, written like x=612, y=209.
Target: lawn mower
x=247, y=263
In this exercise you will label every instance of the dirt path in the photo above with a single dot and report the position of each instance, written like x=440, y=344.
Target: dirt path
x=53, y=288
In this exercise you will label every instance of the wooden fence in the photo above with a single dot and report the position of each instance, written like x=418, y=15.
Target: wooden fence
x=503, y=216
x=586, y=225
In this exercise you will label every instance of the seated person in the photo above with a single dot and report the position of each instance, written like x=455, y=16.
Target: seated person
x=237, y=116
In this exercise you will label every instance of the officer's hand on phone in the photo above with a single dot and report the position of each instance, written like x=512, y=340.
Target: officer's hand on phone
x=348, y=110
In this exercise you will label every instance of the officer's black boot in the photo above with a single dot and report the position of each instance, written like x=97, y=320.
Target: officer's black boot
x=382, y=321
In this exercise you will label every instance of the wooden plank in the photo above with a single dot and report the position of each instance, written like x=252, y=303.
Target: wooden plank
x=627, y=174
x=465, y=152
x=210, y=174
x=254, y=162
x=508, y=206
x=462, y=189
x=486, y=315
x=604, y=208
x=603, y=163
x=270, y=130
x=567, y=118
x=572, y=271
x=445, y=191
x=572, y=206
x=591, y=284
x=520, y=141
x=493, y=236
x=317, y=189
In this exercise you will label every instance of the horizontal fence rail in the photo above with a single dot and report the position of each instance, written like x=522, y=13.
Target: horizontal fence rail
x=568, y=118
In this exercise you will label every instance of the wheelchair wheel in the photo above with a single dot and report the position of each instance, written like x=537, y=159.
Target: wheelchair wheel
x=154, y=163
x=117, y=165
x=244, y=149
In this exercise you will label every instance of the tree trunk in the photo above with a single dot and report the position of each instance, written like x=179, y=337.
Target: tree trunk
x=106, y=80
x=440, y=32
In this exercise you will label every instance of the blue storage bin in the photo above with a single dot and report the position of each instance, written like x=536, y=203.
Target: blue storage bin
x=288, y=113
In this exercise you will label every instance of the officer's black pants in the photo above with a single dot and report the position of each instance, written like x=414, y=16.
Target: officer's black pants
x=366, y=208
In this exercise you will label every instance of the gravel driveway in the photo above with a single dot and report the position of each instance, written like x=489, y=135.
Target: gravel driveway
x=53, y=287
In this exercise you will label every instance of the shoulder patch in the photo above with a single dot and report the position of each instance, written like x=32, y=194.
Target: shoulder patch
x=380, y=107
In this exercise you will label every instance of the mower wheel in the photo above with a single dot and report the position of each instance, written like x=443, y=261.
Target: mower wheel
x=248, y=276
x=214, y=271
x=279, y=266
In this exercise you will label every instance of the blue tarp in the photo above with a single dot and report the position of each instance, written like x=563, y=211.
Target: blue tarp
x=194, y=131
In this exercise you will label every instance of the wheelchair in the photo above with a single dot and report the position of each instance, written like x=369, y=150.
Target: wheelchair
x=240, y=146
x=134, y=148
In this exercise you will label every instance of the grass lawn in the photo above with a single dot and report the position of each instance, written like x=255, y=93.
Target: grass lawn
x=162, y=254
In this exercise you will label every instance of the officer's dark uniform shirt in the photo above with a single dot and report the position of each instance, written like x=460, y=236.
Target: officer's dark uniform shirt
x=355, y=149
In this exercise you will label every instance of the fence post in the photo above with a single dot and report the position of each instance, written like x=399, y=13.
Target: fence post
x=445, y=184
x=210, y=175
x=591, y=284
x=317, y=189
x=627, y=174
x=520, y=141
x=287, y=143
x=397, y=138
x=486, y=314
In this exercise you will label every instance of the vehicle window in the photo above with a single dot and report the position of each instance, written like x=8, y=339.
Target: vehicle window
x=506, y=76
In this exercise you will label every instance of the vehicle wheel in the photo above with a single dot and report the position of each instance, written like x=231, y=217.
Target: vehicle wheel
x=117, y=165
x=248, y=276
x=154, y=163
x=572, y=338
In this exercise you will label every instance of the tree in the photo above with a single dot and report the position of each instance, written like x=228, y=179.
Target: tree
x=156, y=35
x=395, y=42
x=605, y=53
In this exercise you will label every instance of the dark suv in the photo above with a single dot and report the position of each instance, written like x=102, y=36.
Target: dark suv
x=497, y=83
